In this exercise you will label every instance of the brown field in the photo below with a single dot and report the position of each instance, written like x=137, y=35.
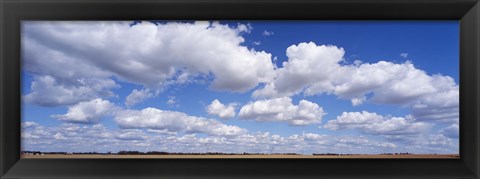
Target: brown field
x=99, y=156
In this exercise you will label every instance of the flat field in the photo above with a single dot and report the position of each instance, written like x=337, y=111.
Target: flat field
x=100, y=156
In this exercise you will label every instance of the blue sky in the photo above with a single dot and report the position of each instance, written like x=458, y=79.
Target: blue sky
x=241, y=86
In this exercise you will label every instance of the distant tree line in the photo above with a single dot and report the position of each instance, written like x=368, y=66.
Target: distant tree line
x=332, y=154
x=124, y=152
x=406, y=153
x=195, y=153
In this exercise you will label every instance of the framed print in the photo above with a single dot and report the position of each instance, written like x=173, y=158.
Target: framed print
x=239, y=89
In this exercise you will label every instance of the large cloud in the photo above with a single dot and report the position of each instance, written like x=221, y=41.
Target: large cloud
x=442, y=106
x=282, y=109
x=372, y=123
x=221, y=110
x=313, y=70
x=146, y=54
x=47, y=91
x=152, y=118
x=307, y=64
x=87, y=112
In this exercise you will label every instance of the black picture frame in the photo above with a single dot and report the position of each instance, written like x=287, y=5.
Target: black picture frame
x=12, y=12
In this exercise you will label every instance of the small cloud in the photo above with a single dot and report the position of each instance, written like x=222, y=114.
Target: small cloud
x=267, y=33
x=358, y=101
x=59, y=136
x=404, y=55
x=247, y=28
x=256, y=43
x=138, y=96
x=172, y=101
x=221, y=110
x=29, y=124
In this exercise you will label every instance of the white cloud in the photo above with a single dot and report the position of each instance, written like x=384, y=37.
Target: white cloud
x=442, y=106
x=438, y=140
x=388, y=82
x=267, y=33
x=91, y=56
x=303, y=69
x=88, y=138
x=47, y=91
x=247, y=28
x=358, y=101
x=162, y=132
x=146, y=54
x=361, y=141
x=282, y=109
x=29, y=124
x=87, y=112
x=131, y=134
x=152, y=118
x=172, y=101
x=372, y=123
x=138, y=96
x=427, y=143
x=256, y=43
x=221, y=110
x=404, y=55
x=312, y=70
x=451, y=131
x=59, y=136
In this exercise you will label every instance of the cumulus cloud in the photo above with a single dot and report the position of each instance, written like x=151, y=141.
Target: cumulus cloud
x=312, y=70
x=87, y=112
x=282, y=109
x=147, y=54
x=358, y=101
x=404, y=55
x=372, y=123
x=138, y=96
x=303, y=69
x=388, y=82
x=47, y=91
x=93, y=59
x=442, y=106
x=152, y=118
x=221, y=110
x=247, y=28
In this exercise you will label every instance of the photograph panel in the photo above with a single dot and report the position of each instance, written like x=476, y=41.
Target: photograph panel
x=240, y=89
